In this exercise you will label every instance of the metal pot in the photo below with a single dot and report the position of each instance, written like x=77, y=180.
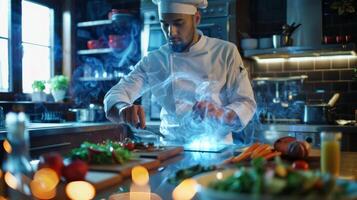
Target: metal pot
x=93, y=113
x=321, y=113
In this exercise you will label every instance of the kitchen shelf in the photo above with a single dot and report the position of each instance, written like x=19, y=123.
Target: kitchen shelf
x=280, y=79
x=99, y=78
x=95, y=51
x=94, y=23
x=302, y=51
x=116, y=17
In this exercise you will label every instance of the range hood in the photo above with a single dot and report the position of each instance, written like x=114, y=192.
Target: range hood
x=307, y=38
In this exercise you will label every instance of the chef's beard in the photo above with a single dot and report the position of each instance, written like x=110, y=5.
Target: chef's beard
x=181, y=46
x=178, y=47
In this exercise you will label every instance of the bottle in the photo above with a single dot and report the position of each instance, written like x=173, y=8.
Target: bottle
x=330, y=152
x=17, y=165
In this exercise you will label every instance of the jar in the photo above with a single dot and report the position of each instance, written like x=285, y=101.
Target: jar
x=330, y=152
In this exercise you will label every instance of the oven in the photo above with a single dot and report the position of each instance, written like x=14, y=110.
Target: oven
x=218, y=21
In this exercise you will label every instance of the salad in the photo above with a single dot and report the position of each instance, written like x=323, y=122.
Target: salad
x=280, y=180
x=108, y=152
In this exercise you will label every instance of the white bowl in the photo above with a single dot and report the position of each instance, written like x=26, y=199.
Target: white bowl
x=206, y=193
x=249, y=43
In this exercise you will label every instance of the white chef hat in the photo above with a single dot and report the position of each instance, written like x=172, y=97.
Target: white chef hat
x=180, y=6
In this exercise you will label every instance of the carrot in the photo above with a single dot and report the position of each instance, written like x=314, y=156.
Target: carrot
x=260, y=149
x=244, y=155
x=240, y=157
x=262, y=153
x=272, y=154
x=252, y=147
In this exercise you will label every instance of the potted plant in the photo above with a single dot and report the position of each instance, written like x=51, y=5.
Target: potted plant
x=59, y=85
x=38, y=93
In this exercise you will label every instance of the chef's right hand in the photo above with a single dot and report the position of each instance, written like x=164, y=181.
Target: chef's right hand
x=134, y=115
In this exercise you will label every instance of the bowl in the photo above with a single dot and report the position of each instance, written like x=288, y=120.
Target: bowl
x=249, y=43
x=265, y=43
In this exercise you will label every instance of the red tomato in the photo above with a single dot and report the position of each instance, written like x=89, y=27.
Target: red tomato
x=130, y=146
x=300, y=165
x=51, y=160
x=75, y=171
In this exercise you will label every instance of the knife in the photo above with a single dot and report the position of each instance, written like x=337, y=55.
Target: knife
x=143, y=132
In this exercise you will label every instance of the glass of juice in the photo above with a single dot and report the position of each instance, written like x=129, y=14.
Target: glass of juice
x=330, y=152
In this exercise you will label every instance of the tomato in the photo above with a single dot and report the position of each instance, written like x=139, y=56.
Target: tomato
x=51, y=160
x=129, y=146
x=300, y=165
x=75, y=171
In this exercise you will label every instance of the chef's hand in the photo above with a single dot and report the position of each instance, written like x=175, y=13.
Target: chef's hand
x=133, y=115
x=206, y=109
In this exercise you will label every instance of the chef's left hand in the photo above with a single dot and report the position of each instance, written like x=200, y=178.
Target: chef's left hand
x=207, y=109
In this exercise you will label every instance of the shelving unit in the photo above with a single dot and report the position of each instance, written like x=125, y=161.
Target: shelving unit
x=97, y=70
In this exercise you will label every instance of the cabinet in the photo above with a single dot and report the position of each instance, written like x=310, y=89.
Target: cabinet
x=107, y=47
x=340, y=24
x=260, y=18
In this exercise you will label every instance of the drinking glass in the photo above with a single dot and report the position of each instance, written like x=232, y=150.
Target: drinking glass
x=330, y=152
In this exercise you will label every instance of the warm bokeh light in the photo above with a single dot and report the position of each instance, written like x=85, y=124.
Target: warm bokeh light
x=2, y=198
x=140, y=192
x=127, y=195
x=10, y=180
x=186, y=190
x=219, y=175
x=40, y=190
x=140, y=175
x=80, y=190
x=0, y=173
x=48, y=178
x=7, y=146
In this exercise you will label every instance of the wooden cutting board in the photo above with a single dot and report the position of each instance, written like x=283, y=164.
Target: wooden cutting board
x=102, y=180
x=125, y=169
x=162, y=154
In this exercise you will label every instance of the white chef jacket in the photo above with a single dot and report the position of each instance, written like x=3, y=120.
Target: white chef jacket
x=212, y=70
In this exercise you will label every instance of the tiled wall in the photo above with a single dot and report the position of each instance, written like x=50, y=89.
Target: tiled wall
x=325, y=77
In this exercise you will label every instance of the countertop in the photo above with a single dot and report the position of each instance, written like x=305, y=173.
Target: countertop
x=36, y=129
x=160, y=186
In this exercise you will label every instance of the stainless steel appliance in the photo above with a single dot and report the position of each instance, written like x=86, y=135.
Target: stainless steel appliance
x=218, y=20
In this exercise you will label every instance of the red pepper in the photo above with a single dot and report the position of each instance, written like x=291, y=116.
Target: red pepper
x=129, y=146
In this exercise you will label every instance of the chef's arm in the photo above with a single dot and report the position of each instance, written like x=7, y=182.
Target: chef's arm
x=124, y=93
x=239, y=92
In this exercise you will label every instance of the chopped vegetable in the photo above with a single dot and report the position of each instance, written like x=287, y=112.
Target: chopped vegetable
x=300, y=165
x=183, y=174
x=107, y=152
x=255, y=151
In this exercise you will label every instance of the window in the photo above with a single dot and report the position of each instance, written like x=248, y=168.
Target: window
x=4, y=43
x=37, y=42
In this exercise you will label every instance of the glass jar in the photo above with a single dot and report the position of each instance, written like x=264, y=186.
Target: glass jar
x=330, y=152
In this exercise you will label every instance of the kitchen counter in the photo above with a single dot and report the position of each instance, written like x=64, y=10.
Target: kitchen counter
x=38, y=129
x=158, y=178
x=63, y=137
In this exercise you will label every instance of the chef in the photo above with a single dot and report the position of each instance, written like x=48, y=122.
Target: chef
x=200, y=82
